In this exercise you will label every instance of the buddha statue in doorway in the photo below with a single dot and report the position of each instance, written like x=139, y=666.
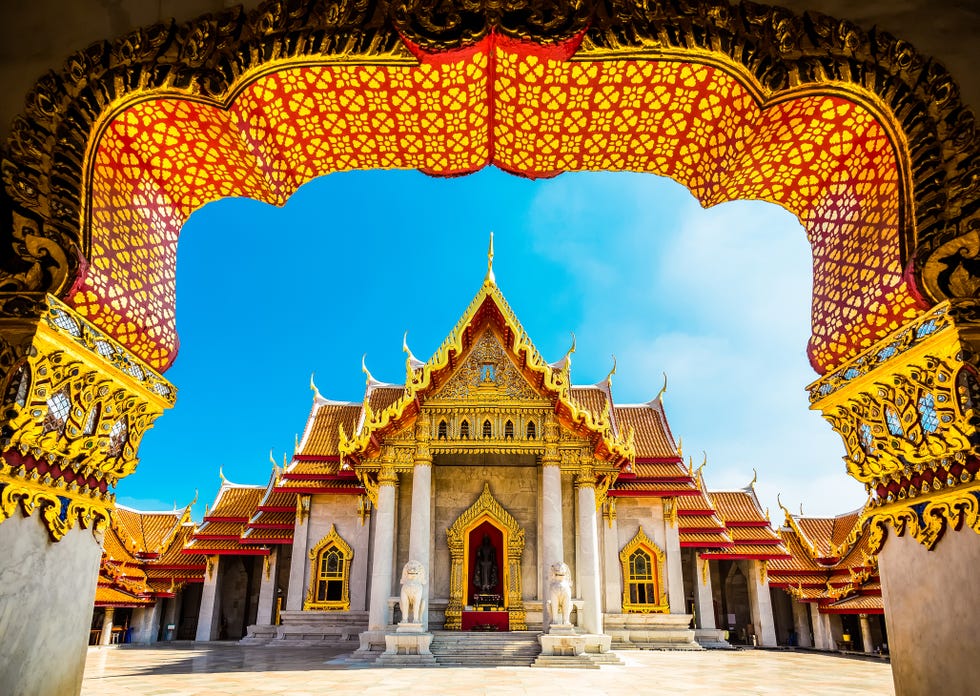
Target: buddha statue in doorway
x=485, y=574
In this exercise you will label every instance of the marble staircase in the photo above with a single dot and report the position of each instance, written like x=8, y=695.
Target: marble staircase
x=485, y=649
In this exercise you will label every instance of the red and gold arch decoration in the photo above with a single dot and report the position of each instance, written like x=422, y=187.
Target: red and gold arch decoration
x=824, y=156
x=865, y=140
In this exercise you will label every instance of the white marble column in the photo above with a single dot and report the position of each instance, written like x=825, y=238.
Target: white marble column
x=105, y=638
x=298, y=578
x=675, y=573
x=171, y=616
x=146, y=623
x=267, y=589
x=207, y=619
x=552, y=534
x=384, y=540
x=590, y=617
x=821, y=629
x=760, y=604
x=420, y=531
x=866, y=637
x=801, y=625
x=612, y=569
x=704, y=606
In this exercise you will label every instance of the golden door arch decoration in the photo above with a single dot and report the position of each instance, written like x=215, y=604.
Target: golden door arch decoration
x=330, y=563
x=486, y=508
x=643, y=576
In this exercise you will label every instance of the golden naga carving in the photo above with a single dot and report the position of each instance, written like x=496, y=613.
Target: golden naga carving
x=907, y=410
x=76, y=406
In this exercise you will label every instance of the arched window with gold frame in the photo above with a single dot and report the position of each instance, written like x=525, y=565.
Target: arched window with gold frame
x=643, y=587
x=329, y=588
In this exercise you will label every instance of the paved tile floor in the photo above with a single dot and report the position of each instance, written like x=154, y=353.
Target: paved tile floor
x=220, y=669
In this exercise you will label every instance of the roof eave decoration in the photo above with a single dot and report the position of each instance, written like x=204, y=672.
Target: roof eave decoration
x=365, y=443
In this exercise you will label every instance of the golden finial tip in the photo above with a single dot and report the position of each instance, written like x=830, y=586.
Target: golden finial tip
x=490, y=277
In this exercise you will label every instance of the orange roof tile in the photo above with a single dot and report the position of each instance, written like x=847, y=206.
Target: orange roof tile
x=322, y=428
x=112, y=597
x=629, y=485
x=652, y=438
x=224, y=529
x=753, y=534
x=381, y=397
x=856, y=604
x=700, y=522
x=660, y=470
x=236, y=501
x=818, y=532
x=592, y=399
x=737, y=507
x=705, y=539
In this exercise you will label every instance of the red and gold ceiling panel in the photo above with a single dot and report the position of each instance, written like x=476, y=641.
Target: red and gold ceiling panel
x=823, y=157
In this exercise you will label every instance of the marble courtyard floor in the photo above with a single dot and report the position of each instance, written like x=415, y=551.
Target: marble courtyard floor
x=219, y=669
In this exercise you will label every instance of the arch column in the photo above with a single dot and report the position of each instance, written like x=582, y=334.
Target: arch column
x=908, y=410
x=552, y=532
x=590, y=617
x=420, y=532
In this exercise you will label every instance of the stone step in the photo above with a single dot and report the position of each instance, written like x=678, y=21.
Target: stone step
x=453, y=648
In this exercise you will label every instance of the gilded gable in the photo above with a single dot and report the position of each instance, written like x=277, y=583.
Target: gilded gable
x=487, y=374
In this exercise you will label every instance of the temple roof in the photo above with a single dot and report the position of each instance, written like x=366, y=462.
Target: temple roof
x=322, y=432
x=831, y=563
x=653, y=439
x=584, y=410
x=227, y=520
x=746, y=525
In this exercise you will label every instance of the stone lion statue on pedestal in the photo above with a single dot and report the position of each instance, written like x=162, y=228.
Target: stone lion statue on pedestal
x=560, y=593
x=413, y=592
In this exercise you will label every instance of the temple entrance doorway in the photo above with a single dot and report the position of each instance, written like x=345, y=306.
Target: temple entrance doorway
x=485, y=546
x=486, y=605
x=735, y=607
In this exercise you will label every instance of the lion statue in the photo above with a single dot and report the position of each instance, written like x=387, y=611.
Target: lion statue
x=413, y=592
x=560, y=593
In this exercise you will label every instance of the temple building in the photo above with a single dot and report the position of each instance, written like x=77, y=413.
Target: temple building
x=485, y=471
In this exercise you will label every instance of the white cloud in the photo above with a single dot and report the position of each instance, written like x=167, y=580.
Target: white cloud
x=719, y=299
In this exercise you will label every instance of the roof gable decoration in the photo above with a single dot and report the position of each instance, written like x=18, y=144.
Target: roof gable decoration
x=489, y=312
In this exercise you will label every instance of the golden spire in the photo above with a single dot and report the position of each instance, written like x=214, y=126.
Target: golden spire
x=316, y=392
x=490, y=277
x=663, y=389
x=755, y=477
x=221, y=475
x=365, y=370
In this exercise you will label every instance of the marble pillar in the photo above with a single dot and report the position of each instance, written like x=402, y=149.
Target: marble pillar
x=821, y=628
x=552, y=544
x=704, y=606
x=590, y=614
x=146, y=623
x=298, y=578
x=384, y=540
x=867, y=639
x=760, y=603
x=105, y=638
x=420, y=529
x=801, y=625
x=613, y=574
x=267, y=589
x=675, y=573
x=170, y=616
x=209, y=616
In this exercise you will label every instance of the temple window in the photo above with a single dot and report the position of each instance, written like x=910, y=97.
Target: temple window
x=330, y=574
x=531, y=430
x=464, y=430
x=443, y=431
x=509, y=430
x=487, y=429
x=643, y=589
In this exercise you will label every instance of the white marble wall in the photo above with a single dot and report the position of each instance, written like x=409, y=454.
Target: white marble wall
x=46, y=595
x=340, y=511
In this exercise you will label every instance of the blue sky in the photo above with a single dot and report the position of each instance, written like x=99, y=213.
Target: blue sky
x=718, y=299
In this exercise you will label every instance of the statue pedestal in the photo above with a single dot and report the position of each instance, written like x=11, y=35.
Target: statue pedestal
x=562, y=647
x=407, y=646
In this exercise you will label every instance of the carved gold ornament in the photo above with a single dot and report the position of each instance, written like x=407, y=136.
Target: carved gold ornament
x=486, y=508
x=642, y=563
x=330, y=563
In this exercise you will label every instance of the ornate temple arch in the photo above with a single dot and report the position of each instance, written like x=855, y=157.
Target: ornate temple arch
x=644, y=586
x=486, y=508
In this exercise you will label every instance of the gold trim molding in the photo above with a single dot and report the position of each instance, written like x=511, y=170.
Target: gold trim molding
x=642, y=541
x=310, y=603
